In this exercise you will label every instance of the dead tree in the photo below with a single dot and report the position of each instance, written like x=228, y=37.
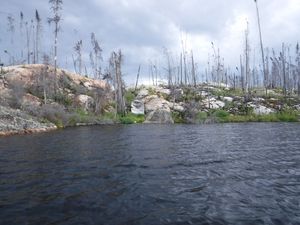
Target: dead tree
x=11, y=27
x=298, y=67
x=193, y=70
x=56, y=7
x=262, y=49
x=28, y=34
x=78, y=50
x=21, y=33
x=169, y=68
x=38, y=26
x=137, y=77
x=283, y=61
x=247, y=69
x=115, y=70
x=96, y=56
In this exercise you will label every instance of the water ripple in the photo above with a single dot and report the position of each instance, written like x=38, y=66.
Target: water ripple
x=145, y=174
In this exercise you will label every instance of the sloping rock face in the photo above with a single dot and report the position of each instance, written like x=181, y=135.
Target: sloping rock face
x=159, y=116
x=137, y=107
x=17, y=122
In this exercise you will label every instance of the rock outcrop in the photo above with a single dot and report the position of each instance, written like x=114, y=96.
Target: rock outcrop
x=159, y=116
x=13, y=121
x=33, y=93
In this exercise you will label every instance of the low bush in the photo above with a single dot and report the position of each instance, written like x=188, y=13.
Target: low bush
x=131, y=118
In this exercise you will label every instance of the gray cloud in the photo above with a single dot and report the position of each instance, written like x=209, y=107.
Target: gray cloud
x=141, y=28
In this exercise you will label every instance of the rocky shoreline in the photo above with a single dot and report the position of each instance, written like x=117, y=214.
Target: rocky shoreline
x=31, y=102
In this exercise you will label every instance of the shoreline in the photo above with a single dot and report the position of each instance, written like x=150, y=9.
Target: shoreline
x=45, y=130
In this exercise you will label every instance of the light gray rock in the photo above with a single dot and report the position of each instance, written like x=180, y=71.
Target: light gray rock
x=228, y=99
x=297, y=107
x=85, y=102
x=13, y=121
x=157, y=103
x=163, y=90
x=142, y=94
x=177, y=107
x=212, y=103
x=261, y=110
x=159, y=116
x=137, y=107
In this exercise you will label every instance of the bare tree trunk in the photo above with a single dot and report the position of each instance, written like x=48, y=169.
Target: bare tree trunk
x=262, y=49
x=137, y=77
x=283, y=61
x=193, y=70
x=247, y=70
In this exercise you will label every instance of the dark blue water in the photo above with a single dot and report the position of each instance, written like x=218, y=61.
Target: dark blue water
x=151, y=174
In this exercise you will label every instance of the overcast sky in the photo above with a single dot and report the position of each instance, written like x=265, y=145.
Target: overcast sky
x=142, y=28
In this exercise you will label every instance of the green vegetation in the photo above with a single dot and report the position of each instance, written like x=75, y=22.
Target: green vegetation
x=131, y=118
x=178, y=117
x=201, y=117
x=129, y=96
x=285, y=116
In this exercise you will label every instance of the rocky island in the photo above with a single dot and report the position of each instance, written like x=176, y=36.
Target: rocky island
x=33, y=100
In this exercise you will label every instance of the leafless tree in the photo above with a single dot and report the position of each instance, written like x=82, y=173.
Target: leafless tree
x=11, y=27
x=38, y=26
x=262, y=48
x=56, y=7
x=247, y=68
x=115, y=70
x=78, y=50
x=137, y=77
x=96, y=56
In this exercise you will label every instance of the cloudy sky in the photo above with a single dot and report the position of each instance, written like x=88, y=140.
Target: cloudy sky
x=143, y=28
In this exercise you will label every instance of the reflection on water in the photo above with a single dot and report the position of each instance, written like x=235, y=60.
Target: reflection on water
x=151, y=174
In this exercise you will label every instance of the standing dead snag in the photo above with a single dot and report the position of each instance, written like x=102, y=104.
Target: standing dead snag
x=262, y=49
x=38, y=27
x=137, y=78
x=96, y=56
x=78, y=50
x=56, y=7
x=115, y=70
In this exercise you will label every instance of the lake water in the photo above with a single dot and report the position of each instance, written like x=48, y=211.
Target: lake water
x=153, y=174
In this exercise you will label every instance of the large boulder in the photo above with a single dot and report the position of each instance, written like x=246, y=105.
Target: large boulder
x=85, y=102
x=137, y=107
x=160, y=116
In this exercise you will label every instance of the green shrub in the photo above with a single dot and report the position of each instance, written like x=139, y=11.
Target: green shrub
x=63, y=99
x=221, y=114
x=131, y=118
x=129, y=97
x=177, y=117
x=201, y=117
